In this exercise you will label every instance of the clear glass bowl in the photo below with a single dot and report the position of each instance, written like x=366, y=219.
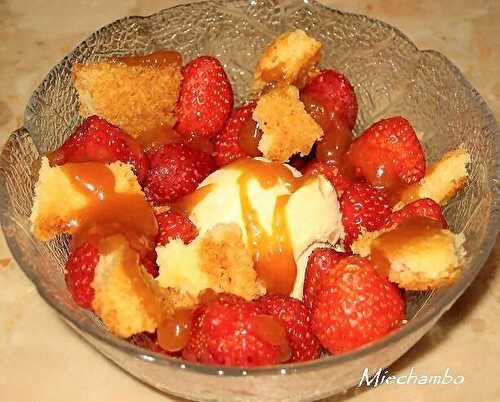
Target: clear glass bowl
x=391, y=77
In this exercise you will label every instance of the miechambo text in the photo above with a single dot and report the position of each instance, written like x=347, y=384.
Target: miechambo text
x=382, y=377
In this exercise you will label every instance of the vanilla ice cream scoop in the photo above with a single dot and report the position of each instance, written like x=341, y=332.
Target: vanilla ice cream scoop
x=280, y=213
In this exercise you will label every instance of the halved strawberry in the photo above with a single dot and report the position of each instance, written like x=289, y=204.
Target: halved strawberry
x=176, y=170
x=230, y=331
x=173, y=225
x=320, y=263
x=424, y=207
x=388, y=154
x=355, y=305
x=332, y=173
x=363, y=208
x=333, y=94
x=79, y=274
x=227, y=142
x=96, y=140
x=205, y=98
x=296, y=318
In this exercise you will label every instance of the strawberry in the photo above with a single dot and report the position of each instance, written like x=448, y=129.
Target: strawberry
x=96, y=140
x=335, y=176
x=363, y=208
x=297, y=321
x=230, y=331
x=355, y=305
x=425, y=207
x=173, y=225
x=335, y=94
x=176, y=170
x=149, y=263
x=388, y=154
x=227, y=142
x=79, y=274
x=320, y=263
x=205, y=98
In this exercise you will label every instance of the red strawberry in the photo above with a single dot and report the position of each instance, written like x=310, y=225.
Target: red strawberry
x=297, y=321
x=79, y=274
x=320, y=263
x=355, y=305
x=425, y=207
x=227, y=142
x=173, y=225
x=331, y=172
x=362, y=207
x=149, y=262
x=148, y=341
x=96, y=140
x=205, y=98
x=176, y=170
x=230, y=331
x=335, y=94
x=388, y=154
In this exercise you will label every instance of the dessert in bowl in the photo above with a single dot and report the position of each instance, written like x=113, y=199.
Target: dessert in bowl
x=215, y=237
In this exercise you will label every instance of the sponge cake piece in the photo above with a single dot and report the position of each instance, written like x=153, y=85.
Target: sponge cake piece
x=290, y=59
x=286, y=126
x=136, y=98
x=126, y=299
x=415, y=257
x=56, y=201
x=443, y=180
x=217, y=260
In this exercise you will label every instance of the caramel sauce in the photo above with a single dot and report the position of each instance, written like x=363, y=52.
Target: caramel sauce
x=412, y=229
x=273, y=74
x=206, y=296
x=316, y=109
x=110, y=218
x=271, y=330
x=159, y=58
x=158, y=136
x=335, y=142
x=186, y=204
x=106, y=211
x=403, y=193
x=249, y=137
x=337, y=134
x=272, y=253
x=163, y=135
x=174, y=332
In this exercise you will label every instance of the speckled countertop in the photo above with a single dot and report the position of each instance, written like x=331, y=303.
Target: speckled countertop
x=41, y=359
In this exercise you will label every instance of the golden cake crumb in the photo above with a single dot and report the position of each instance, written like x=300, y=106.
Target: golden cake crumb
x=419, y=263
x=127, y=299
x=290, y=58
x=217, y=260
x=443, y=179
x=287, y=128
x=56, y=201
x=134, y=98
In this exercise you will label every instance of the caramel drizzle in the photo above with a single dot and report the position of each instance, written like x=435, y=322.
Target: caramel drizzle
x=108, y=214
x=159, y=58
x=272, y=253
x=411, y=230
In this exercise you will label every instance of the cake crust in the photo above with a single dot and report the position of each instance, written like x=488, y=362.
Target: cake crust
x=443, y=179
x=286, y=126
x=134, y=98
x=291, y=58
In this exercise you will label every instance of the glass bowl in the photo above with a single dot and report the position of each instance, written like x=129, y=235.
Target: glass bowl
x=391, y=77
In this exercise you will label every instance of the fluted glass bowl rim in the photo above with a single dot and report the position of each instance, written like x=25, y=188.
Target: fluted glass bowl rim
x=433, y=313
